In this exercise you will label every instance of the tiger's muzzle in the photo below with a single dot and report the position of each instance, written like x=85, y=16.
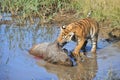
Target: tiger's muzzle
x=61, y=44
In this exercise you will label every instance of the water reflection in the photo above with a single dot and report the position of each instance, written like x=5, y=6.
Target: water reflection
x=25, y=36
x=84, y=71
x=14, y=57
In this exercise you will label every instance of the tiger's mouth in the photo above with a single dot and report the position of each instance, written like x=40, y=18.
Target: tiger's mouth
x=61, y=44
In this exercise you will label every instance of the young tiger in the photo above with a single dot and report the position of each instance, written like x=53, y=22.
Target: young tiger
x=80, y=32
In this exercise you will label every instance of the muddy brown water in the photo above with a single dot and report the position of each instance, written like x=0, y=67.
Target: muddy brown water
x=17, y=64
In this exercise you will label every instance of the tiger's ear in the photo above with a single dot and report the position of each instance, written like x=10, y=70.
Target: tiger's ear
x=64, y=27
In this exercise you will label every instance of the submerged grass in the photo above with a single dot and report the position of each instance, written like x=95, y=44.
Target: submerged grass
x=46, y=9
x=112, y=75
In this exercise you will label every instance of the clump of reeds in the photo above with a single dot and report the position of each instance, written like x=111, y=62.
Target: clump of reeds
x=32, y=8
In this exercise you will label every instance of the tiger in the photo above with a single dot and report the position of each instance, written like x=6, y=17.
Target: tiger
x=79, y=31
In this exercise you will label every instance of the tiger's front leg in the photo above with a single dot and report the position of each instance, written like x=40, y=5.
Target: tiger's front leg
x=78, y=48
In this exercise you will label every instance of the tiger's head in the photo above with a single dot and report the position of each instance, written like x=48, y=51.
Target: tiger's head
x=65, y=35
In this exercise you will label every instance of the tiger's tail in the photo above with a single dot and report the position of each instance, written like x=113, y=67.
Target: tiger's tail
x=89, y=13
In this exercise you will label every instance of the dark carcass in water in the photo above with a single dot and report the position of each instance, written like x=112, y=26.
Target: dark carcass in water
x=51, y=53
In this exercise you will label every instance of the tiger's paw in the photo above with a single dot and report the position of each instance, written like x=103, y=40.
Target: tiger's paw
x=75, y=56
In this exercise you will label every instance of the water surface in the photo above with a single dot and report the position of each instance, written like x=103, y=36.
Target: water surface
x=17, y=64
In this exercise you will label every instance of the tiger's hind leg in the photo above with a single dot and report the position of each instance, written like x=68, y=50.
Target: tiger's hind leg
x=84, y=47
x=94, y=44
x=83, y=54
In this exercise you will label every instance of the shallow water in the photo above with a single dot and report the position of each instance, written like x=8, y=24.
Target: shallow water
x=17, y=64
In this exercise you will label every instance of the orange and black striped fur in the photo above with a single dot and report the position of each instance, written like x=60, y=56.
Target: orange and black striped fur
x=80, y=32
